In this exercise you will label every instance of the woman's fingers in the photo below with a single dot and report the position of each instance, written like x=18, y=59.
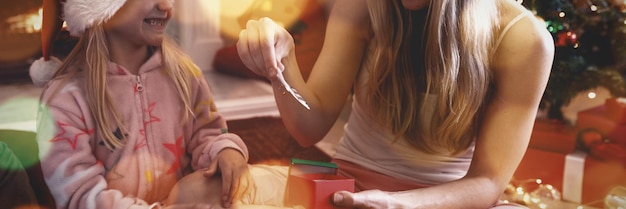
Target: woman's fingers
x=255, y=41
x=243, y=50
x=343, y=199
x=363, y=199
x=262, y=45
x=254, y=46
x=267, y=42
x=246, y=50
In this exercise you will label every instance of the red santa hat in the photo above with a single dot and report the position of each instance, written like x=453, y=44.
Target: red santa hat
x=78, y=15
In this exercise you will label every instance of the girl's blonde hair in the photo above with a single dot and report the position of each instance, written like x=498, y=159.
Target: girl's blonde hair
x=447, y=56
x=91, y=55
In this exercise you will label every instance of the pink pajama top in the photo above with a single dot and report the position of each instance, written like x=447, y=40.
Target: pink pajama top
x=159, y=148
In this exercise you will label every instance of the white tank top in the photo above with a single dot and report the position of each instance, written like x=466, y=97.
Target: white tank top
x=373, y=147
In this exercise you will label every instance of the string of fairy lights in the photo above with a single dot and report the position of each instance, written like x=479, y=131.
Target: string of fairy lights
x=534, y=193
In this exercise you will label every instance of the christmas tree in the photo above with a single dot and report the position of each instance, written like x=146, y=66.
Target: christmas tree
x=590, y=48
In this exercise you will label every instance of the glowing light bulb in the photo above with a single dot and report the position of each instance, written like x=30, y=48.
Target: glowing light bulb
x=591, y=95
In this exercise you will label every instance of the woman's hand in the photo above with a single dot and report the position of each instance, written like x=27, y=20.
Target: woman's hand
x=363, y=199
x=263, y=45
x=237, y=183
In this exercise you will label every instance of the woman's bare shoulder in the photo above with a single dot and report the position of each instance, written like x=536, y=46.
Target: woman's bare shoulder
x=349, y=21
x=354, y=12
x=522, y=36
x=510, y=10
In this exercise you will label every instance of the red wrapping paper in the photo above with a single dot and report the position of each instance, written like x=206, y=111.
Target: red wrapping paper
x=595, y=144
x=315, y=190
x=597, y=118
x=616, y=110
x=553, y=135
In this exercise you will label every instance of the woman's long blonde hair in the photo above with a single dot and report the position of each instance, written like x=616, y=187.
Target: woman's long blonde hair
x=448, y=57
x=91, y=55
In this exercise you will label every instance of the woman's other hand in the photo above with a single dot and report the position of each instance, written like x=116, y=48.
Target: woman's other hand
x=237, y=183
x=364, y=199
x=263, y=45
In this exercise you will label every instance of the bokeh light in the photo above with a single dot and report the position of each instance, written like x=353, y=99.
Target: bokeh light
x=234, y=14
x=18, y=131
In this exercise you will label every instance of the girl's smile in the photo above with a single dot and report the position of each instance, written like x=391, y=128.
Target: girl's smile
x=157, y=24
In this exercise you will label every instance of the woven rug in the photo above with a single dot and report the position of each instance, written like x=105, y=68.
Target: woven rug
x=269, y=142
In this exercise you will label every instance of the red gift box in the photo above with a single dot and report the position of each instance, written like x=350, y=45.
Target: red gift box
x=310, y=184
x=579, y=178
x=596, y=145
x=616, y=109
x=315, y=190
x=553, y=135
x=597, y=118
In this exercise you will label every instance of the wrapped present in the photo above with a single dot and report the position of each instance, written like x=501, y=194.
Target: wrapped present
x=597, y=118
x=311, y=184
x=579, y=177
x=553, y=135
x=616, y=109
x=315, y=190
x=594, y=143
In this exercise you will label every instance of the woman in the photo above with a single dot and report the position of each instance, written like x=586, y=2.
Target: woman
x=445, y=93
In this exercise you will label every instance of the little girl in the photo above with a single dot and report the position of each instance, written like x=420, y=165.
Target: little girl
x=127, y=114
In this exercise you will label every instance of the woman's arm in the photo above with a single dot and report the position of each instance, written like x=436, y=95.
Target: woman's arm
x=265, y=47
x=522, y=67
x=521, y=71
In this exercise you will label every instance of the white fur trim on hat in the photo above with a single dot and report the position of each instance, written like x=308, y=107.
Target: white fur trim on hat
x=41, y=71
x=82, y=14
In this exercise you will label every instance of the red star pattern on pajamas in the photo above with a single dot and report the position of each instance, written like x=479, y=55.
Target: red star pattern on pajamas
x=152, y=117
x=72, y=141
x=142, y=142
x=178, y=151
